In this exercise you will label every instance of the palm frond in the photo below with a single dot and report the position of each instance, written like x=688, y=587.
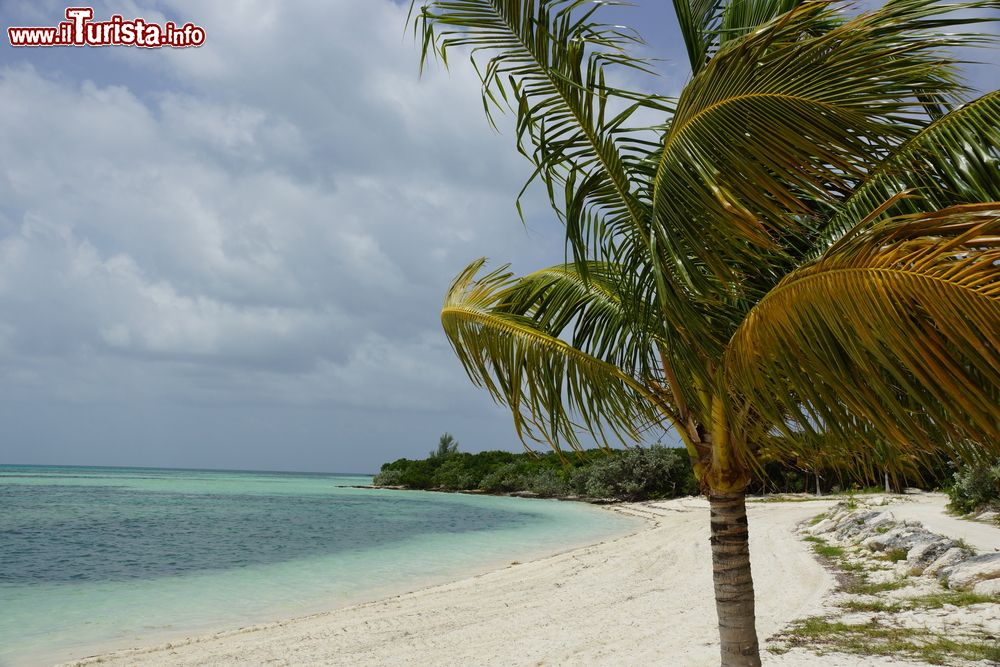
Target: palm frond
x=610, y=314
x=698, y=21
x=594, y=310
x=954, y=160
x=864, y=456
x=783, y=122
x=893, y=333
x=743, y=16
x=708, y=24
x=548, y=62
x=553, y=389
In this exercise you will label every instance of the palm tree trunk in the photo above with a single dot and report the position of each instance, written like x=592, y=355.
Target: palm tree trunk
x=734, y=600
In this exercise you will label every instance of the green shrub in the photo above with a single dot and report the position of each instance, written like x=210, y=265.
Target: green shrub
x=638, y=474
x=977, y=486
x=388, y=478
x=504, y=479
x=454, y=474
x=417, y=474
x=548, y=483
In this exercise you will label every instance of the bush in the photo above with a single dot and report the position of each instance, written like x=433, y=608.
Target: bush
x=388, y=478
x=413, y=474
x=504, y=479
x=548, y=484
x=977, y=486
x=638, y=474
x=454, y=474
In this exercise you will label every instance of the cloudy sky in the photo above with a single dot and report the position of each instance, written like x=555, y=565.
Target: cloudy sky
x=234, y=256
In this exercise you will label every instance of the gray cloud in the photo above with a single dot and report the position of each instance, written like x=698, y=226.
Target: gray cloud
x=269, y=221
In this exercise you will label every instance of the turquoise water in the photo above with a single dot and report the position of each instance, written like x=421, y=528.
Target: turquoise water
x=93, y=559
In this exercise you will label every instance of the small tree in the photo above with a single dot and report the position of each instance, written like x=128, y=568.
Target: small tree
x=447, y=446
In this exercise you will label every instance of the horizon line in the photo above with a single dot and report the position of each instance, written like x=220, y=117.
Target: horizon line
x=182, y=469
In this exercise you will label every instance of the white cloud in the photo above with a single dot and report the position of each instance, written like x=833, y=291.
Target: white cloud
x=271, y=218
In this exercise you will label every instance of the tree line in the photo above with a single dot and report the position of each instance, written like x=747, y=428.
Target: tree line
x=634, y=474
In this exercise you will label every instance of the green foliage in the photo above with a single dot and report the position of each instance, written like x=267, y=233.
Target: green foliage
x=505, y=479
x=417, y=474
x=633, y=474
x=977, y=486
x=453, y=475
x=447, y=446
x=389, y=476
x=548, y=483
x=638, y=474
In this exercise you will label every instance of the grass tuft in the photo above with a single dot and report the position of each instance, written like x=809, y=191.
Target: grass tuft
x=871, y=606
x=877, y=639
x=856, y=566
x=894, y=555
x=823, y=549
x=955, y=598
x=869, y=588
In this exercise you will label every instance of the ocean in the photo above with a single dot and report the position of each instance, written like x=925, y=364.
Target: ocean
x=95, y=559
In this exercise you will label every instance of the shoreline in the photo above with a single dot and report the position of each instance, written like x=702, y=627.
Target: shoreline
x=566, y=602
x=49, y=624
x=644, y=597
x=166, y=641
x=374, y=588
x=529, y=495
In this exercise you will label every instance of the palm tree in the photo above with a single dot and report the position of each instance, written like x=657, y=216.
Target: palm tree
x=801, y=248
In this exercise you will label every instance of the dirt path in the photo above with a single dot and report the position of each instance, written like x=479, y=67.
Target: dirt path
x=929, y=509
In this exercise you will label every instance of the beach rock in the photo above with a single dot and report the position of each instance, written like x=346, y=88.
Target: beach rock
x=923, y=554
x=943, y=565
x=880, y=541
x=988, y=517
x=903, y=537
x=973, y=570
x=824, y=526
x=988, y=587
x=863, y=524
x=840, y=508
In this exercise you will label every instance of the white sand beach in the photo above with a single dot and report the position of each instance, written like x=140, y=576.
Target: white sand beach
x=643, y=599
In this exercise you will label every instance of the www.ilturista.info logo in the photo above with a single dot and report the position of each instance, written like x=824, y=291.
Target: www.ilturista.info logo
x=80, y=30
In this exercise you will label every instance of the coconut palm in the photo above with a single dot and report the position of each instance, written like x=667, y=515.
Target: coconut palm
x=798, y=254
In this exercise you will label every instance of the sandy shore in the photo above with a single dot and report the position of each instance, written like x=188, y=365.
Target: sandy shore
x=643, y=599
